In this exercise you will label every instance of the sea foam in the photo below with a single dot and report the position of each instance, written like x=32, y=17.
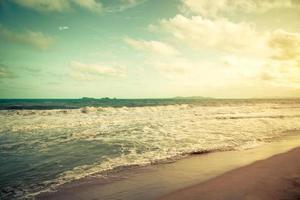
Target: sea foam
x=42, y=149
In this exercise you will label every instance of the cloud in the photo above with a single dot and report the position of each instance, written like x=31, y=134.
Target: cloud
x=280, y=73
x=121, y=5
x=62, y=28
x=44, y=5
x=59, y=5
x=230, y=76
x=31, y=38
x=220, y=34
x=6, y=73
x=223, y=36
x=65, y=5
x=264, y=70
x=225, y=7
x=265, y=76
x=287, y=45
x=185, y=74
x=84, y=71
x=152, y=46
x=91, y=5
x=273, y=72
x=252, y=58
x=174, y=67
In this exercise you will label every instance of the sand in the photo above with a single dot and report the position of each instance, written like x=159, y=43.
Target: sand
x=221, y=175
x=275, y=178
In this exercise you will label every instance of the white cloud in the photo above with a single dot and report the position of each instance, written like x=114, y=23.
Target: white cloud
x=173, y=68
x=92, y=5
x=253, y=58
x=260, y=61
x=195, y=76
x=45, y=5
x=152, y=46
x=62, y=28
x=280, y=73
x=121, y=5
x=59, y=5
x=224, y=7
x=231, y=76
x=34, y=39
x=224, y=36
x=287, y=45
x=65, y=5
x=91, y=71
x=219, y=34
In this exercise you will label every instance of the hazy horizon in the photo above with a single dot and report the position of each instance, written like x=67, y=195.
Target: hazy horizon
x=175, y=97
x=149, y=49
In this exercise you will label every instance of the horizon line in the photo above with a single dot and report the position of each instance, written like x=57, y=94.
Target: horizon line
x=137, y=98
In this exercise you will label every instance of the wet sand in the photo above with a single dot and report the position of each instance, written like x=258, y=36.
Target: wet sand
x=275, y=178
x=165, y=181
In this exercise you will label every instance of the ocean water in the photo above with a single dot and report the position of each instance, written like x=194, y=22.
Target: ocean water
x=46, y=143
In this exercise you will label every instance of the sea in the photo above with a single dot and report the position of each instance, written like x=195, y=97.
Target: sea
x=45, y=143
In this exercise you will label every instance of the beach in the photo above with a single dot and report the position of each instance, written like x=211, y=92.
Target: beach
x=138, y=152
x=277, y=177
x=261, y=173
x=149, y=99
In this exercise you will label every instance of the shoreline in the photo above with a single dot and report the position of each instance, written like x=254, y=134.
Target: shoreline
x=155, y=181
x=277, y=177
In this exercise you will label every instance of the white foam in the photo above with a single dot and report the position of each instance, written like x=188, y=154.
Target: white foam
x=150, y=133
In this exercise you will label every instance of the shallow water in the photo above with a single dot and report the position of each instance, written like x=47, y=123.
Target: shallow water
x=42, y=149
x=154, y=181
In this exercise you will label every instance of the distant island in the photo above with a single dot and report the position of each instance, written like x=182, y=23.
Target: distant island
x=91, y=98
x=193, y=97
x=178, y=97
x=88, y=98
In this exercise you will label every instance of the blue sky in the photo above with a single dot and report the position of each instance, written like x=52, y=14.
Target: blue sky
x=149, y=48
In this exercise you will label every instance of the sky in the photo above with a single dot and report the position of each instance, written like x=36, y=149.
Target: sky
x=149, y=48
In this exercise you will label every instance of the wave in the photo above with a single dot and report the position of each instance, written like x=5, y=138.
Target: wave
x=116, y=165
x=63, y=145
x=258, y=117
x=50, y=104
x=101, y=170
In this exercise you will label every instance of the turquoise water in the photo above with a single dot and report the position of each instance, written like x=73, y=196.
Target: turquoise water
x=44, y=104
x=46, y=143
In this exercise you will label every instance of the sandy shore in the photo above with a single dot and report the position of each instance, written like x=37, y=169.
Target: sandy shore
x=275, y=178
x=278, y=175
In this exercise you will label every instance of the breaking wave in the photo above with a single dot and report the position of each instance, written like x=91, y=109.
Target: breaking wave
x=42, y=149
